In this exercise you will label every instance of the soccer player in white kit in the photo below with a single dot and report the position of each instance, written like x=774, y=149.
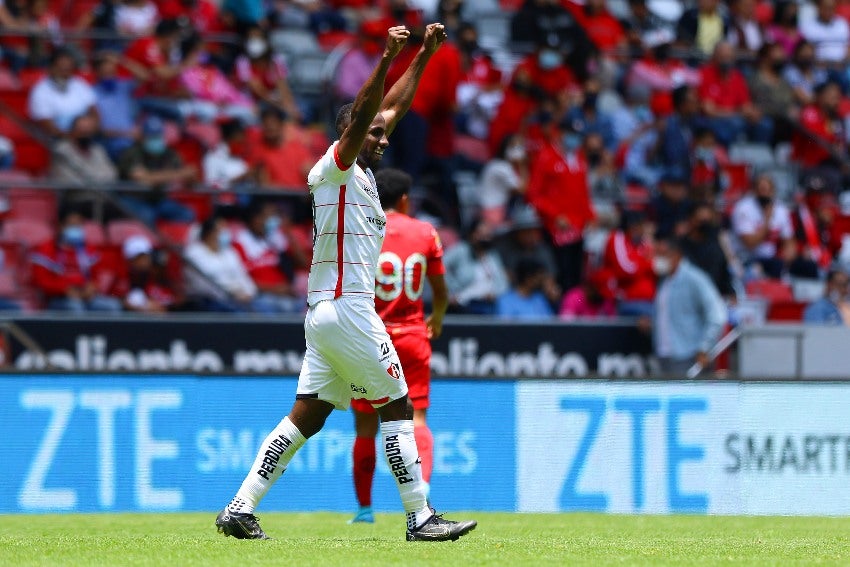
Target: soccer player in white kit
x=349, y=353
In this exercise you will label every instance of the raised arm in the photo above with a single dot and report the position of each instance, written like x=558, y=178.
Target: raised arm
x=398, y=100
x=368, y=100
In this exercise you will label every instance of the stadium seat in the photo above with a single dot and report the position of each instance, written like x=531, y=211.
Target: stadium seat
x=471, y=9
x=807, y=290
x=32, y=157
x=118, y=231
x=771, y=290
x=472, y=148
x=94, y=233
x=200, y=203
x=784, y=179
x=294, y=42
x=757, y=156
x=25, y=231
x=17, y=100
x=786, y=311
x=494, y=29
x=303, y=77
x=32, y=204
x=177, y=233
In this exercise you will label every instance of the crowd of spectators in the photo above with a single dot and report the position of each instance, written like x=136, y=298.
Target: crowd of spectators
x=601, y=139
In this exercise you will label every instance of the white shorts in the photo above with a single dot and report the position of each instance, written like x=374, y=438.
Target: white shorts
x=349, y=355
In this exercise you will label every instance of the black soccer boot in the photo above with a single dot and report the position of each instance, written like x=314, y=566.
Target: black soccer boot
x=438, y=529
x=240, y=526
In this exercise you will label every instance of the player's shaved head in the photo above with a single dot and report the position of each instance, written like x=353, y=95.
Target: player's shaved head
x=393, y=184
x=343, y=118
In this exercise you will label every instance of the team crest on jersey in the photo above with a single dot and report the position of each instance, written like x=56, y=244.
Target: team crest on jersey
x=394, y=370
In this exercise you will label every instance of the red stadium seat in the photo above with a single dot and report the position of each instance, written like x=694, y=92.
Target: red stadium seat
x=94, y=233
x=771, y=290
x=26, y=232
x=113, y=267
x=200, y=203
x=33, y=204
x=118, y=231
x=176, y=232
x=32, y=156
x=786, y=311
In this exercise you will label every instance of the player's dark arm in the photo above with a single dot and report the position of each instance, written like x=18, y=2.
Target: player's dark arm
x=368, y=100
x=439, y=304
x=400, y=97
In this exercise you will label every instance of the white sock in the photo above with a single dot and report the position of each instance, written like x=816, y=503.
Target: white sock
x=275, y=453
x=403, y=460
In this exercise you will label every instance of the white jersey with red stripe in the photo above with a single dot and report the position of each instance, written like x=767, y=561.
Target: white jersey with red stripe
x=348, y=229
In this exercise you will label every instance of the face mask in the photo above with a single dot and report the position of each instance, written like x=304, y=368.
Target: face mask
x=805, y=64
x=777, y=66
x=255, y=47
x=108, y=85
x=661, y=266
x=515, y=153
x=590, y=100
x=662, y=52
x=643, y=114
x=594, y=158
x=154, y=146
x=836, y=297
x=61, y=84
x=549, y=59
x=74, y=236
x=84, y=142
x=224, y=239
x=571, y=141
x=704, y=154
x=272, y=225
x=724, y=67
x=764, y=201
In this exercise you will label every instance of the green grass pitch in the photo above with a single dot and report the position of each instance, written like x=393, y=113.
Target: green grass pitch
x=500, y=539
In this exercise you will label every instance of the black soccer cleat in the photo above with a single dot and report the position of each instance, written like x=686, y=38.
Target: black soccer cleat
x=438, y=529
x=240, y=526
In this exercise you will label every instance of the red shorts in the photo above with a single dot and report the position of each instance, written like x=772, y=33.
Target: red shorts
x=414, y=353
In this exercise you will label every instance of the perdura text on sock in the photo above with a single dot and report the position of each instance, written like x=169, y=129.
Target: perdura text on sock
x=396, y=461
x=273, y=453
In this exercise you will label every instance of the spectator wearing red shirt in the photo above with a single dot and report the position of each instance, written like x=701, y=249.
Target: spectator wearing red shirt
x=149, y=60
x=270, y=258
x=280, y=160
x=431, y=116
x=263, y=73
x=201, y=14
x=601, y=27
x=825, y=138
x=545, y=69
x=628, y=255
x=558, y=189
x=67, y=270
x=726, y=101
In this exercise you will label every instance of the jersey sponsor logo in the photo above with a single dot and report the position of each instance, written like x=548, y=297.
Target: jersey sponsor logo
x=380, y=223
x=358, y=389
x=385, y=351
x=396, y=461
x=272, y=455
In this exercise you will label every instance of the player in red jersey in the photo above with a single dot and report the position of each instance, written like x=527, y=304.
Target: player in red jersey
x=411, y=253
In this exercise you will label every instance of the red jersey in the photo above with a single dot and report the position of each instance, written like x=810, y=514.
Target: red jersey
x=411, y=251
x=261, y=257
x=57, y=267
x=631, y=264
x=728, y=92
x=813, y=119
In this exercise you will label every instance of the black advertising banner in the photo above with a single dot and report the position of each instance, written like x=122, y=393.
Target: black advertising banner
x=468, y=347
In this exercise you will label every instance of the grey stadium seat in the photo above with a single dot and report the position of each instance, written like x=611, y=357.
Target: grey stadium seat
x=758, y=156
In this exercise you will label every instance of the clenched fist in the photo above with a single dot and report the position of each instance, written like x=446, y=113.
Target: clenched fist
x=435, y=36
x=396, y=40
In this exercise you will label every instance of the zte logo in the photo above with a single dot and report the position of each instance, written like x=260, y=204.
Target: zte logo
x=380, y=223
